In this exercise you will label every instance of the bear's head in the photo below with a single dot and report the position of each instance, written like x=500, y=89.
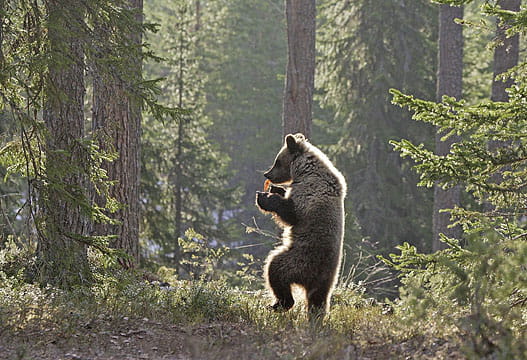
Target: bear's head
x=281, y=171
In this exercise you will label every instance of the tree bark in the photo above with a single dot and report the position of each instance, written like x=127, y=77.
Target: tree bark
x=117, y=125
x=300, y=75
x=62, y=256
x=178, y=169
x=449, y=82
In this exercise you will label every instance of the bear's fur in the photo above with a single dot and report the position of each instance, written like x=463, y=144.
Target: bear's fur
x=310, y=209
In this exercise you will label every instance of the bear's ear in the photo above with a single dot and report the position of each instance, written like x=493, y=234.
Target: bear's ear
x=292, y=145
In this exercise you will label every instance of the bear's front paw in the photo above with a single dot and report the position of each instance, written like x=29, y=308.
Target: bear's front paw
x=277, y=190
x=262, y=200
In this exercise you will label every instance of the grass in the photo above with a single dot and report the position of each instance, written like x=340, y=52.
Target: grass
x=124, y=316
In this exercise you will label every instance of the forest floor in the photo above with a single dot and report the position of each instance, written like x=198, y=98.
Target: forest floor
x=146, y=339
x=128, y=318
x=142, y=338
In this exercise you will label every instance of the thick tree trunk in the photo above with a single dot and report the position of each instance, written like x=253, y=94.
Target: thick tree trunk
x=449, y=82
x=300, y=75
x=62, y=259
x=117, y=124
x=505, y=55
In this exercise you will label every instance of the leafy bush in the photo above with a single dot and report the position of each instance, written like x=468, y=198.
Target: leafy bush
x=16, y=258
x=205, y=260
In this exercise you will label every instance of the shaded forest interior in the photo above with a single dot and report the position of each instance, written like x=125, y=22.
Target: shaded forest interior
x=134, y=135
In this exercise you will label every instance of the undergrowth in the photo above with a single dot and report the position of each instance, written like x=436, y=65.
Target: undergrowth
x=355, y=325
x=116, y=294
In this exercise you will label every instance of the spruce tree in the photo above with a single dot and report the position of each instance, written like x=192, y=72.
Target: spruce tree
x=367, y=47
x=300, y=74
x=476, y=283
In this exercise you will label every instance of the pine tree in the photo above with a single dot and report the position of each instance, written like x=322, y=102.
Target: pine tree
x=62, y=258
x=300, y=74
x=46, y=49
x=116, y=123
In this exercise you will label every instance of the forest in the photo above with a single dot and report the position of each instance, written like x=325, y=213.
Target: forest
x=134, y=137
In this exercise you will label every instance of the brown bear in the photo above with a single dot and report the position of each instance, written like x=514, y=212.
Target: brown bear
x=310, y=209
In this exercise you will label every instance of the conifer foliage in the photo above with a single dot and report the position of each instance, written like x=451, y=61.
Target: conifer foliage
x=478, y=282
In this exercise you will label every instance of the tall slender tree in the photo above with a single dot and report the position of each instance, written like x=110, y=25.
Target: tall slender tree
x=300, y=75
x=62, y=256
x=449, y=82
x=177, y=171
x=116, y=122
x=2, y=20
x=506, y=53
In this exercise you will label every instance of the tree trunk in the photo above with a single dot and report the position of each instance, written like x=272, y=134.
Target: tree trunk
x=197, y=27
x=2, y=20
x=117, y=125
x=505, y=55
x=178, y=170
x=449, y=82
x=300, y=75
x=62, y=256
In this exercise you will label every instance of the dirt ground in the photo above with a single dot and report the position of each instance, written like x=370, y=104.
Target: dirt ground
x=146, y=339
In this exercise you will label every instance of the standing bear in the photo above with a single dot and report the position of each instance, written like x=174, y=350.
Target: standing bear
x=310, y=209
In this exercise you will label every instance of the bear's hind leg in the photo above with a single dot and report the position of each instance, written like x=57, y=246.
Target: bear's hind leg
x=281, y=287
x=317, y=302
x=284, y=299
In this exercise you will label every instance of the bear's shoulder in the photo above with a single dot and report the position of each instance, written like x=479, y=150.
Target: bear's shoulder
x=319, y=174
